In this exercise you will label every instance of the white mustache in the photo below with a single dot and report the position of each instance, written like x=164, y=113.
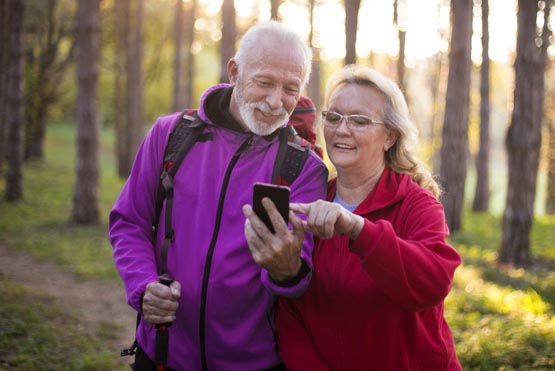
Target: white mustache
x=265, y=108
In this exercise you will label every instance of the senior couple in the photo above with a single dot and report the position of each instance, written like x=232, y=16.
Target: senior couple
x=355, y=281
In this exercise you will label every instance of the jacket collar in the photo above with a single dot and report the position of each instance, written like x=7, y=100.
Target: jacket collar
x=214, y=109
x=390, y=189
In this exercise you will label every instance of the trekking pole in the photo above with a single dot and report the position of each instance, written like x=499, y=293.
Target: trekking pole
x=162, y=333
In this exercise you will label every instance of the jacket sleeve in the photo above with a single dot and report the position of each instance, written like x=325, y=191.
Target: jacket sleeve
x=131, y=218
x=295, y=345
x=417, y=269
x=308, y=187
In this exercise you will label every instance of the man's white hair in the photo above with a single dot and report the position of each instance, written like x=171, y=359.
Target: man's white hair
x=261, y=33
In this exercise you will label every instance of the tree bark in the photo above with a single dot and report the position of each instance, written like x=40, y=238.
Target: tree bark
x=85, y=199
x=229, y=33
x=274, y=9
x=550, y=194
x=549, y=116
x=189, y=81
x=121, y=27
x=402, y=35
x=135, y=114
x=454, y=148
x=314, y=90
x=351, y=26
x=178, y=57
x=481, y=195
x=3, y=77
x=46, y=31
x=523, y=139
x=14, y=101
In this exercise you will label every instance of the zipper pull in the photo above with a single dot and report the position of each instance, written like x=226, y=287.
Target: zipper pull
x=246, y=144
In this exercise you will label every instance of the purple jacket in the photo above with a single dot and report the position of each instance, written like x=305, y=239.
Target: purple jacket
x=226, y=308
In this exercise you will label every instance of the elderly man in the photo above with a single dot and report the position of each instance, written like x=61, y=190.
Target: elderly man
x=224, y=288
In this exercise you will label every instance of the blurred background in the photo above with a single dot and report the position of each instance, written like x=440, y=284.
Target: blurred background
x=81, y=81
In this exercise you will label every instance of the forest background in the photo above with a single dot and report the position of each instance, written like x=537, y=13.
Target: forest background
x=82, y=81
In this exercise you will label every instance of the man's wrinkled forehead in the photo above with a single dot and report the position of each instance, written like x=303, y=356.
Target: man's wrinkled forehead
x=288, y=64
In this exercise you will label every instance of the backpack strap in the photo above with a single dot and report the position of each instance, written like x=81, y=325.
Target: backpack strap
x=184, y=135
x=291, y=157
x=186, y=132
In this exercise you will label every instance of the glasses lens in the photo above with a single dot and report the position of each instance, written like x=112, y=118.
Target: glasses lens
x=359, y=121
x=331, y=117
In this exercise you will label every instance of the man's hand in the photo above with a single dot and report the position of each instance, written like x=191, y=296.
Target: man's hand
x=160, y=302
x=327, y=219
x=279, y=253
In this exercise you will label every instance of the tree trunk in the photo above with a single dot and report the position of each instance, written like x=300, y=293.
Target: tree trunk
x=314, y=90
x=523, y=139
x=549, y=116
x=481, y=196
x=438, y=82
x=178, y=57
x=3, y=77
x=229, y=32
x=135, y=114
x=274, y=9
x=550, y=196
x=121, y=27
x=85, y=200
x=14, y=101
x=351, y=26
x=402, y=34
x=454, y=146
x=38, y=63
x=189, y=83
x=46, y=32
x=401, y=61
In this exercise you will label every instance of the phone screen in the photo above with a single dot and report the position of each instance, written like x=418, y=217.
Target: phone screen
x=279, y=196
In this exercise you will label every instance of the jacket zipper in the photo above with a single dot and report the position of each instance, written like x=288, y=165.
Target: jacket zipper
x=208, y=263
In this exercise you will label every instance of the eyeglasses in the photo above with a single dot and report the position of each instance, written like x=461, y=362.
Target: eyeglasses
x=356, y=122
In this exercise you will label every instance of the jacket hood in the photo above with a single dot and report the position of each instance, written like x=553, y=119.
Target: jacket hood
x=214, y=107
x=390, y=189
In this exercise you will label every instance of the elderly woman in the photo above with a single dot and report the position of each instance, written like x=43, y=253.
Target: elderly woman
x=383, y=266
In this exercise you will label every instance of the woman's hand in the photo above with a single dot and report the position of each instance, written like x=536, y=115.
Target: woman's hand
x=327, y=219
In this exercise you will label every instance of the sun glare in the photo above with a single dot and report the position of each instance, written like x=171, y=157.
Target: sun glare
x=425, y=21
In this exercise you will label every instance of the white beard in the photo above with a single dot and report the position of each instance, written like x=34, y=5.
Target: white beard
x=246, y=110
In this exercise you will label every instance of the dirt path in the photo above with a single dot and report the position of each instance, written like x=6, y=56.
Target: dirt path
x=95, y=302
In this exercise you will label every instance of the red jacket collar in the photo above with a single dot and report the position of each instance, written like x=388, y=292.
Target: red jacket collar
x=390, y=189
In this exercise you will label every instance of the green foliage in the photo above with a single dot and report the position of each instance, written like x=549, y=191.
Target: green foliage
x=37, y=335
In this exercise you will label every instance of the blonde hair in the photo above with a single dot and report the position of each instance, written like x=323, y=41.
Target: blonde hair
x=401, y=157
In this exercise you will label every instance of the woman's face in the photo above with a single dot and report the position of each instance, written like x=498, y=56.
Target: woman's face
x=358, y=147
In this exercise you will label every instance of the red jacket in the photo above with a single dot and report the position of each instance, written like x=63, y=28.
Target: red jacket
x=377, y=303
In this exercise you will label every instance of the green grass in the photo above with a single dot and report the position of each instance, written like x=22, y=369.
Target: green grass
x=502, y=318
x=37, y=335
x=33, y=334
x=41, y=222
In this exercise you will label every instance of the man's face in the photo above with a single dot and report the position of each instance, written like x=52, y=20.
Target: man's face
x=266, y=91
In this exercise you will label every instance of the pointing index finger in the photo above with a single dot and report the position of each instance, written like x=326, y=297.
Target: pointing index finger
x=299, y=207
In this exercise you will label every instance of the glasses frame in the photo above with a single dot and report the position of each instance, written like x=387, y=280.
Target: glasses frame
x=348, y=118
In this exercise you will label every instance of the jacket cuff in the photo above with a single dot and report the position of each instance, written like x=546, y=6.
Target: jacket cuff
x=297, y=279
x=291, y=288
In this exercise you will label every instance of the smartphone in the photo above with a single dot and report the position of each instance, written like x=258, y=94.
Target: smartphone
x=279, y=196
